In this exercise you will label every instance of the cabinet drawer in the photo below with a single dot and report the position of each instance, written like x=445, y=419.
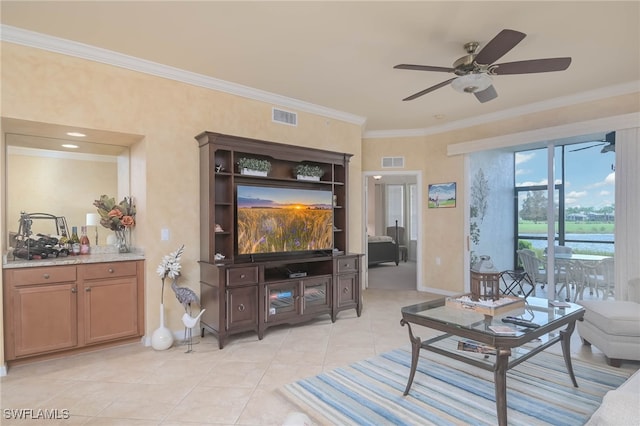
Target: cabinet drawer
x=242, y=276
x=109, y=270
x=346, y=265
x=58, y=274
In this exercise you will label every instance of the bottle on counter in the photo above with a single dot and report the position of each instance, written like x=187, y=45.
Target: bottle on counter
x=74, y=241
x=85, y=246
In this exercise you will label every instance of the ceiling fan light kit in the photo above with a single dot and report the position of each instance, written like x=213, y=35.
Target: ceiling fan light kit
x=472, y=83
x=474, y=69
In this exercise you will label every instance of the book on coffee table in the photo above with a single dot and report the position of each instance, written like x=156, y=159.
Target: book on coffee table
x=503, y=329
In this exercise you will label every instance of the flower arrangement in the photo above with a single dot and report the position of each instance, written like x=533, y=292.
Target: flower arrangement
x=170, y=267
x=254, y=164
x=309, y=170
x=114, y=216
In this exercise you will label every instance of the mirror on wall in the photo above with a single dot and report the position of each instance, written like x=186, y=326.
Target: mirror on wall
x=49, y=172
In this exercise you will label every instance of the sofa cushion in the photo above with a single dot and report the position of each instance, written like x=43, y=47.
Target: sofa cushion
x=620, y=318
x=619, y=406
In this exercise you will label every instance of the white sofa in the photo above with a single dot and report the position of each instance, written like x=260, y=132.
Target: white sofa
x=620, y=406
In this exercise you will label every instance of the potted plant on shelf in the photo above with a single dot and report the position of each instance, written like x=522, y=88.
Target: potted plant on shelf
x=254, y=166
x=308, y=172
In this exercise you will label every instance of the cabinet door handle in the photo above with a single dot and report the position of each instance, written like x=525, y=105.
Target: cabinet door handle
x=111, y=271
x=87, y=289
x=74, y=290
x=242, y=276
x=241, y=307
x=46, y=276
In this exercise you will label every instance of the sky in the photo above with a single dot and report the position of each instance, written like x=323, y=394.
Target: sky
x=263, y=196
x=589, y=175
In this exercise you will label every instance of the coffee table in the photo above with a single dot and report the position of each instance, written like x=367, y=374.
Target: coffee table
x=510, y=350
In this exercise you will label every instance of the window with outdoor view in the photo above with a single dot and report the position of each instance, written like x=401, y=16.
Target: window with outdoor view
x=584, y=198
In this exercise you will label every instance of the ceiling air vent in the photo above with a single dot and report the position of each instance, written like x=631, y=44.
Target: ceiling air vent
x=285, y=117
x=392, y=162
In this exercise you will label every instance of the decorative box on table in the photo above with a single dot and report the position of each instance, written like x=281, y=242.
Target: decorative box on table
x=486, y=307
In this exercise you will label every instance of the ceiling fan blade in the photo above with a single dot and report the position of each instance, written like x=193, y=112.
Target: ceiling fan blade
x=422, y=68
x=531, y=66
x=430, y=89
x=487, y=94
x=586, y=147
x=499, y=46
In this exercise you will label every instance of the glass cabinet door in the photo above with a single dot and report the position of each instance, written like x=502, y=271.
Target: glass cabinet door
x=316, y=293
x=282, y=300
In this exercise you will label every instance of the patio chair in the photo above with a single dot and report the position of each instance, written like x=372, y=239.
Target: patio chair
x=533, y=267
x=600, y=277
x=574, y=277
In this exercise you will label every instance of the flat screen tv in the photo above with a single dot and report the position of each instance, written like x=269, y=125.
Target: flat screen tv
x=283, y=220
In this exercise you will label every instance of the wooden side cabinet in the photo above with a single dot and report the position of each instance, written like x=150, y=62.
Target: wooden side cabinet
x=44, y=318
x=59, y=309
x=110, y=301
x=347, y=291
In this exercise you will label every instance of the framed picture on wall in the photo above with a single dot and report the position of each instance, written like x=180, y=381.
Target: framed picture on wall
x=442, y=195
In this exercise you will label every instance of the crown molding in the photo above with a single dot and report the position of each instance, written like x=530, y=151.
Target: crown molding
x=540, y=137
x=84, y=51
x=591, y=95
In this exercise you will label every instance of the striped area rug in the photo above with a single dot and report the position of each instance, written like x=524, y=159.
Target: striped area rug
x=448, y=392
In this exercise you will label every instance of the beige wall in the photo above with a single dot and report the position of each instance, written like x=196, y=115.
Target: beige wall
x=52, y=88
x=442, y=230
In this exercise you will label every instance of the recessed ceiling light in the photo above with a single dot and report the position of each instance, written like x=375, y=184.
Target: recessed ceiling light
x=69, y=145
x=438, y=116
x=76, y=134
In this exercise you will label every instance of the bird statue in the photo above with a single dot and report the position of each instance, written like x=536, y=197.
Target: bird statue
x=190, y=322
x=185, y=296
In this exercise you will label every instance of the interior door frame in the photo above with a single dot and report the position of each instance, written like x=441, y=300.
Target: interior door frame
x=417, y=174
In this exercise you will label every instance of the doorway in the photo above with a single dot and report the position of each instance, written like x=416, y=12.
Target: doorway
x=392, y=198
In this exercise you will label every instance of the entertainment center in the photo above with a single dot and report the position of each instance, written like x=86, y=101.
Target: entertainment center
x=273, y=245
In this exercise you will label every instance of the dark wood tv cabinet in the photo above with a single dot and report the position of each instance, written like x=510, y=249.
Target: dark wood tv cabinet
x=250, y=293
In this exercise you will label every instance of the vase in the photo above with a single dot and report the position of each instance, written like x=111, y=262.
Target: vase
x=162, y=338
x=251, y=172
x=306, y=177
x=122, y=242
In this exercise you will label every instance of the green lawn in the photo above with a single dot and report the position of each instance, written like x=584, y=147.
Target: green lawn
x=445, y=203
x=528, y=227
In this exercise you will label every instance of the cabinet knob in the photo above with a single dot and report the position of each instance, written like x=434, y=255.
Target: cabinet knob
x=46, y=276
x=74, y=290
x=345, y=290
x=111, y=271
x=87, y=289
x=241, y=308
x=242, y=275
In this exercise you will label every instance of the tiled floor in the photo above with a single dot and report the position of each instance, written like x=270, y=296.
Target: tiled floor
x=135, y=385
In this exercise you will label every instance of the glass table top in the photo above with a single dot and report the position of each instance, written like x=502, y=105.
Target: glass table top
x=537, y=310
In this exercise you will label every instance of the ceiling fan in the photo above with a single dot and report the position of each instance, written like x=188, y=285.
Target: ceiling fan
x=609, y=143
x=475, y=69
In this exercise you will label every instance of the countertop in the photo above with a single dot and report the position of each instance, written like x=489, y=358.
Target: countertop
x=9, y=263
